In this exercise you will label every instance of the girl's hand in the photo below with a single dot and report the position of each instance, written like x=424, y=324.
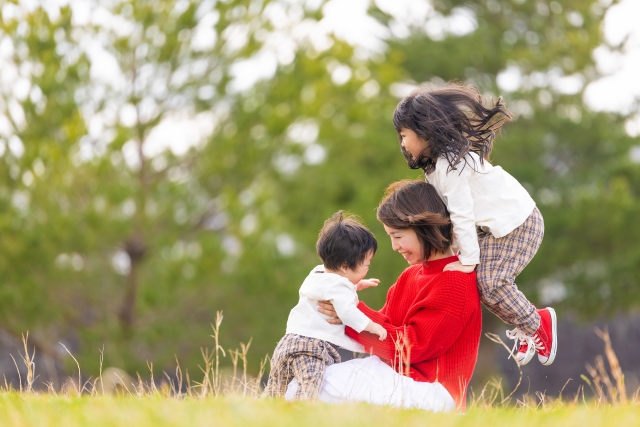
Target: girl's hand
x=326, y=308
x=367, y=283
x=457, y=266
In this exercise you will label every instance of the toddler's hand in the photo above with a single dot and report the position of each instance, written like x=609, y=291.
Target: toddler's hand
x=457, y=266
x=379, y=331
x=376, y=329
x=366, y=283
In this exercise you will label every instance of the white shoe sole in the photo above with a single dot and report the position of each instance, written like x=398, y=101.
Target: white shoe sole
x=527, y=356
x=554, y=342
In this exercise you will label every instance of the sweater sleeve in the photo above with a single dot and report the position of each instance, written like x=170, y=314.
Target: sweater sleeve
x=456, y=193
x=429, y=332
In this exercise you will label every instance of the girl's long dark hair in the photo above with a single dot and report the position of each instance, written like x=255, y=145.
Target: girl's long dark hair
x=416, y=205
x=453, y=119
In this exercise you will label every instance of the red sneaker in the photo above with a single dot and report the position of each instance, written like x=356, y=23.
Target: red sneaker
x=545, y=338
x=527, y=347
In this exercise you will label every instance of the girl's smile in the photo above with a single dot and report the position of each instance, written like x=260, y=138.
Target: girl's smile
x=414, y=144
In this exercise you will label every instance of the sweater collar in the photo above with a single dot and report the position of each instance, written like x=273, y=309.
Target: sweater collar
x=437, y=265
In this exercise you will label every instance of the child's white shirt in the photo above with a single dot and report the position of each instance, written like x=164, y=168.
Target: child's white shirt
x=486, y=197
x=306, y=320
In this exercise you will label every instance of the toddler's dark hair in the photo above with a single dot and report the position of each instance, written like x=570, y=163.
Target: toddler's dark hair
x=416, y=205
x=453, y=119
x=344, y=242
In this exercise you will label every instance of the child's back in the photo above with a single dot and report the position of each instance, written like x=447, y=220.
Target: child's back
x=485, y=196
x=305, y=319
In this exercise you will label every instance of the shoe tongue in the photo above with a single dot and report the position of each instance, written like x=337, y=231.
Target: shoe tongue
x=542, y=335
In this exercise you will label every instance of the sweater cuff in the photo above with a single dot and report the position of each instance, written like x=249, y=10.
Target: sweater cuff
x=471, y=260
x=374, y=315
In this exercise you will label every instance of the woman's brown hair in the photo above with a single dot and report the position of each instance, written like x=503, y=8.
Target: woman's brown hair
x=416, y=205
x=454, y=119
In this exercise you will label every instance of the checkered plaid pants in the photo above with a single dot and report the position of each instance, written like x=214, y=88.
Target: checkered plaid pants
x=501, y=260
x=304, y=359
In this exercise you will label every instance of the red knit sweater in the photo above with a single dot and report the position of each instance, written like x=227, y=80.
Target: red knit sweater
x=440, y=312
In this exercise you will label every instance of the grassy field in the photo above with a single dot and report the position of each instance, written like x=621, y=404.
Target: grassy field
x=218, y=399
x=47, y=410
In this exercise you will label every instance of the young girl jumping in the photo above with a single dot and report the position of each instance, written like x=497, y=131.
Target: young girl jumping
x=448, y=132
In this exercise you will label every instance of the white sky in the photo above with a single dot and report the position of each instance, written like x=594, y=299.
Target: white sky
x=619, y=89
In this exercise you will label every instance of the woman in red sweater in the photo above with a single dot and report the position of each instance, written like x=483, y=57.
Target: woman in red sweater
x=432, y=316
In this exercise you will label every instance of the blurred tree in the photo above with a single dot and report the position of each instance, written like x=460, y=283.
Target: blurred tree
x=40, y=121
x=101, y=220
x=144, y=185
x=574, y=162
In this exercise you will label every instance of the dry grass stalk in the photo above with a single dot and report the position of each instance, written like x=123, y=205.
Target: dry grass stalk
x=614, y=365
x=208, y=381
x=602, y=385
x=29, y=363
x=401, y=362
x=17, y=369
x=490, y=393
x=496, y=339
x=218, y=349
x=80, y=385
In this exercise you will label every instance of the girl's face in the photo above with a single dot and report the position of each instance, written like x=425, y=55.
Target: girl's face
x=405, y=241
x=414, y=144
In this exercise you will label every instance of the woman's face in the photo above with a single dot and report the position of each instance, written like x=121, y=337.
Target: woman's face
x=414, y=144
x=405, y=241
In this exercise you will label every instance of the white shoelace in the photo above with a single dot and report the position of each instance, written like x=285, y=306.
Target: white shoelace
x=538, y=342
x=521, y=338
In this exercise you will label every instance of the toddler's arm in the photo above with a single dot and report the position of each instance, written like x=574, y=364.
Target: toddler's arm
x=376, y=329
x=344, y=300
x=367, y=283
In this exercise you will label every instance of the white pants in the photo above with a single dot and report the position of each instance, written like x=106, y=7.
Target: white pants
x=373, y=381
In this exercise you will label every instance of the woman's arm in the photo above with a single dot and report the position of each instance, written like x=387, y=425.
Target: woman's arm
x=429, y=334
x=433, y=325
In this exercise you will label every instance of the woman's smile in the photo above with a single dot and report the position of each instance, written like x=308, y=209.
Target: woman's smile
x=405, y=242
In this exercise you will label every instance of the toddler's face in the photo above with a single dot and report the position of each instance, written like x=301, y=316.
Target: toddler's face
x=414, y=144
x=360, y=272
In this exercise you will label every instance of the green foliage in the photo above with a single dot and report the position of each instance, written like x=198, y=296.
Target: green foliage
x=230, y=221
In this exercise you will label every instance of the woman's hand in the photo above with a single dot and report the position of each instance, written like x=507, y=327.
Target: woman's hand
x=326, y=308
x=457, y=266
x=367, y=283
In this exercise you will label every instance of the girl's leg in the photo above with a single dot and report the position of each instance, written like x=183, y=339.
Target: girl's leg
x=501, y=260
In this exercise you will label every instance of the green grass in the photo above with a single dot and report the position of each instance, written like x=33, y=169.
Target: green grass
x=47, y=410
x=115, y=399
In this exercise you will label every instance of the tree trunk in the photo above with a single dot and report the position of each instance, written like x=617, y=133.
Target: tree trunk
x=135, y=248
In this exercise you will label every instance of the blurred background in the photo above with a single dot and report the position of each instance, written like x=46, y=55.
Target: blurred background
x=163, y=160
